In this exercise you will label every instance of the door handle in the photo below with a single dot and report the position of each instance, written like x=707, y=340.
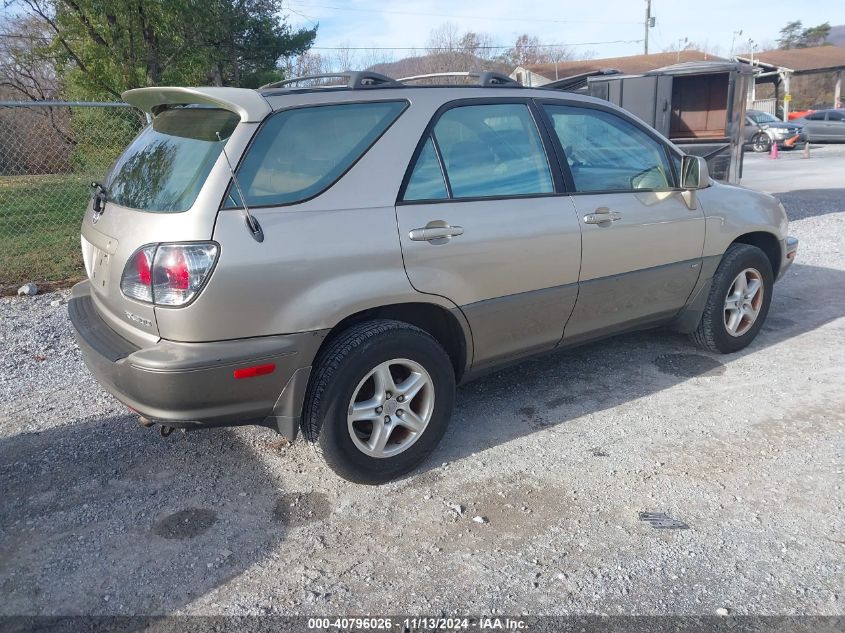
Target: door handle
x=440, y=231
x=602, y=215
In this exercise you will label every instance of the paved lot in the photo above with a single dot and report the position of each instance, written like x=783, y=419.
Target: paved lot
x=98, y=515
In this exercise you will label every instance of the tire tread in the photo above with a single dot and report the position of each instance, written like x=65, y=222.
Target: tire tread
x=705, y=335
x=329, y=362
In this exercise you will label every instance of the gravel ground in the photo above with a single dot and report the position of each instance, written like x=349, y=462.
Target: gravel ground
x=558, y=455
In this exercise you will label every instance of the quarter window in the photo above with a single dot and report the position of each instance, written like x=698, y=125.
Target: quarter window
x=607, y=153
x=299, y=153
x=486, y=150
x=427, y=182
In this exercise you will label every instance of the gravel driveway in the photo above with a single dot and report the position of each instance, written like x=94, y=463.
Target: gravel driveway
x=530, y=505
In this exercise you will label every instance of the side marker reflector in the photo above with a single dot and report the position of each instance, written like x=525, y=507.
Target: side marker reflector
x=252, y=372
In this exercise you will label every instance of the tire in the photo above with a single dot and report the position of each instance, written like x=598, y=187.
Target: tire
x=761, y=142
x=350, y=366
x=713, y=332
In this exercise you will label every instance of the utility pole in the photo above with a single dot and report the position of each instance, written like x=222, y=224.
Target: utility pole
x=649, y=23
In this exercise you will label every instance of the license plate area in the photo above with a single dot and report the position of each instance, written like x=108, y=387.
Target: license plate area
x=100, y=269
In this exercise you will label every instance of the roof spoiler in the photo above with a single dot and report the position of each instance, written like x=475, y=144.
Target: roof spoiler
x=247, y=104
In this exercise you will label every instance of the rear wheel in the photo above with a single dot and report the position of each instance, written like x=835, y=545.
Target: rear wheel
x=739, y=300
x=761, y=142
x=379, y=401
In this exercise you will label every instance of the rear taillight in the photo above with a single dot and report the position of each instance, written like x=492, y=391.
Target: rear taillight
x=168, y=274
x=136, y=282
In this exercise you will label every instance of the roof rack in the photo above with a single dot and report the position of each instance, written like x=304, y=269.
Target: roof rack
x=354, y=80
x=482, y=78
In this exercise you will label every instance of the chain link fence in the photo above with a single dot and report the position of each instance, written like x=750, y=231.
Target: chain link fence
x=50, y=152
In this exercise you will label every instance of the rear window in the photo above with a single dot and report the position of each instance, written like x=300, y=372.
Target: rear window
x=164, y=168
x=299, y=153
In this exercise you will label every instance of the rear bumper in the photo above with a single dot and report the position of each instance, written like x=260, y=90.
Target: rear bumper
x=193, y=384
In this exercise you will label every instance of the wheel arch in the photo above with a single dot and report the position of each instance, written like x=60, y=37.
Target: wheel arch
x=448, y=327
x=766, y=242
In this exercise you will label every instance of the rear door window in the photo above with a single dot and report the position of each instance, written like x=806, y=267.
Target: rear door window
x=301, y=152
x=166, y=165
x=487, y=150
x=607, y=153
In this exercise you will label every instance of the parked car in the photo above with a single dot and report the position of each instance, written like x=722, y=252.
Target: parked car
x=799, y=114
x=824, y=125
x=762, y=129
x=382, y=242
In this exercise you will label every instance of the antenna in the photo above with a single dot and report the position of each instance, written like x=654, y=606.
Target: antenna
x=251, y=223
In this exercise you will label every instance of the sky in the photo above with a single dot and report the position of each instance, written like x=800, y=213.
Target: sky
x=607, y=28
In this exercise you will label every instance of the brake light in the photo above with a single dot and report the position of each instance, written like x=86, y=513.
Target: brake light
x=168, y=274
x=136, y=282
x=142, y=267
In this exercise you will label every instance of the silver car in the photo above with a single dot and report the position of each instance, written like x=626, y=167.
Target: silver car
x=823, y=125
x=761, y=129
x=336, y=259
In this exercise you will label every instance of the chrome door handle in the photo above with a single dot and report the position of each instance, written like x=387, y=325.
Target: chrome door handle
x=602, y=216
x=430, y=233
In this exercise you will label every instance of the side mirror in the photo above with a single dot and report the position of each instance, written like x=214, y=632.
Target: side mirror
x=694, y=173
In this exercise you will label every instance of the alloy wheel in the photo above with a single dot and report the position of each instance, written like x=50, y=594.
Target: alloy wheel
x=391, y=408
x=743, y=302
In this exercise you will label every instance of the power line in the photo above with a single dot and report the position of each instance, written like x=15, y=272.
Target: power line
x=435, y=48
x=460, y=17
x=44, y=38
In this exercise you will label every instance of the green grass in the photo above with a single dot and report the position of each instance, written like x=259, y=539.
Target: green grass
x=40, y=218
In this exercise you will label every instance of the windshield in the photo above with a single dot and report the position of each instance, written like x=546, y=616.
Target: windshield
x=166, y=165
x=762, y=117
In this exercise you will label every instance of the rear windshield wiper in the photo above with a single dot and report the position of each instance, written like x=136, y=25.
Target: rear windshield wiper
x=100, y=197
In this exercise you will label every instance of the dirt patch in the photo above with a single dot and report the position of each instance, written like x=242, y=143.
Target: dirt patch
x=689, y=365
x=185, y=524
x=554, y=403
x=301, y=508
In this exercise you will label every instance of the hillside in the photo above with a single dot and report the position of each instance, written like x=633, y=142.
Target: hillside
x=837, y=35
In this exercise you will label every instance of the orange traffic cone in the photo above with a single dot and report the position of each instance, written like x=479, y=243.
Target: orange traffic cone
x=774, y=150
x=791, y=141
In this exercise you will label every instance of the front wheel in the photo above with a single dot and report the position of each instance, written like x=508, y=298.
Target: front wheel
x=761, y=142
x=739, y=300
x=379, y=401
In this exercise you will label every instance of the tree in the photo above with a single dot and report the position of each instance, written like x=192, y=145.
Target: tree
x=449, y=49
x=103, y=47
x=815, y=36
x=794, y=35
x=23, y=74
x=790, y=34
x=528, y=50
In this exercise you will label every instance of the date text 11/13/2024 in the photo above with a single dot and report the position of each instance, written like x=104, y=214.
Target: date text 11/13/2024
x=416, y=623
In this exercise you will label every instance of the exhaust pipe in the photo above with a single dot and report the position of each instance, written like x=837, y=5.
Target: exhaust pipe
x=147, y=423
